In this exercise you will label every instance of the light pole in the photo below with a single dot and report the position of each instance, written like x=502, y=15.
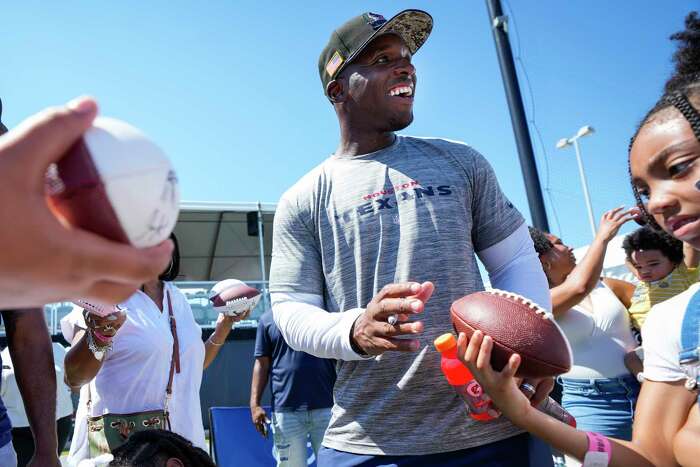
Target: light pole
x=564, y=142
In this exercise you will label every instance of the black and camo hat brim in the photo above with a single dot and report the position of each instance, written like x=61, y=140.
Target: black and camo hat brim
x=3, y=128
x=348, y=41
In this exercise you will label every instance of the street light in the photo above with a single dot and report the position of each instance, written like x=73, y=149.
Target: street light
x=564, y=142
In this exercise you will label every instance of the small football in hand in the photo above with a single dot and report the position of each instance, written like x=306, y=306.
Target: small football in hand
x=233, y=297
x=115, y=182
x=516, y=325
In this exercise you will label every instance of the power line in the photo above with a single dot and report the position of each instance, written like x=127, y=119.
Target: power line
x=532, y=121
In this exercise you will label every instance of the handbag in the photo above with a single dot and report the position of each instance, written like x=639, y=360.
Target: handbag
x=110, y=430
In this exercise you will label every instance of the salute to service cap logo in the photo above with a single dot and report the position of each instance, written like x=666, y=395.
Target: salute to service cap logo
x=350, y=39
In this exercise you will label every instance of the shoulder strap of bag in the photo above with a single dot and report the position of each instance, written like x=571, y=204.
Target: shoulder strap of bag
x=689, y=356
x=175, y=360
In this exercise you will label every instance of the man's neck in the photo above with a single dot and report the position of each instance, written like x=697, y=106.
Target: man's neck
x=355, y=143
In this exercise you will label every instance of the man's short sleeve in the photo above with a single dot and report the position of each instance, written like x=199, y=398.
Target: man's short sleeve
x=661, y=341
x=296, y=259
x=494, y=216
x=263, y=345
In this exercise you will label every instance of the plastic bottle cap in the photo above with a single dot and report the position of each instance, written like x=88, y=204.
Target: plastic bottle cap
x=445, y=342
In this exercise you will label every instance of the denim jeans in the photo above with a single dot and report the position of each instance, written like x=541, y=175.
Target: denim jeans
x=605, y=405
x=290, y=431
x=8, y=458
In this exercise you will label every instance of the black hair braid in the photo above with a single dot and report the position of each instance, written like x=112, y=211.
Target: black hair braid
x=146, y=448
x=687, y=57
x=684, y=83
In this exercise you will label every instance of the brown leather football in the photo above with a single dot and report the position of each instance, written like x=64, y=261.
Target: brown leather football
x=516, y=325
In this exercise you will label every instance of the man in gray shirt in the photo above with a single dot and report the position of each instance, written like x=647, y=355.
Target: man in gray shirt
x=372, y=246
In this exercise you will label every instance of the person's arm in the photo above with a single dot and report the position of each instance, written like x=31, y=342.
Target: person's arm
x=32, y=356
x=633, y=363
x=513, y=265
x=297, y=285
x=662, y=409
x=80, y=364
x=354, y=334
x=224, y=324
x=691, y=256
x=261, y=371
x=685, y=445
x=583, y=279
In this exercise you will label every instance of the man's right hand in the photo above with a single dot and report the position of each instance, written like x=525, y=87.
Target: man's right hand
x=374, y=334
x=44, y=261
x=259, y=419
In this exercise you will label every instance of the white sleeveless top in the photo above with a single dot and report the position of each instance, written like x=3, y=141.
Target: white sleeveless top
x=599, y=333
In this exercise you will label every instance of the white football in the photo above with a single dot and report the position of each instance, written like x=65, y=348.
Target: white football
x=233, y=297
x=117, y=183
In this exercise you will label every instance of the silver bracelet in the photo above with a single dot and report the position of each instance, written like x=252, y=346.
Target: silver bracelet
x=214, y=343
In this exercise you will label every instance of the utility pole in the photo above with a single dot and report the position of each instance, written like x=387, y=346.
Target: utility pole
x=499, y=26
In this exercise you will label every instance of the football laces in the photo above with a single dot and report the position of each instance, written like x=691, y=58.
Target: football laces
x=519, y=298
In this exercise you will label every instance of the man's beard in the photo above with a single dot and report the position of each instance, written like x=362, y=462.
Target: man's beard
x=398, y=123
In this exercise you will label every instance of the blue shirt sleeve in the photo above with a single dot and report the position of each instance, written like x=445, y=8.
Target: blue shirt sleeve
x=263, y=345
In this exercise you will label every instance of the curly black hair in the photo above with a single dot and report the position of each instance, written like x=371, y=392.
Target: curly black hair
x=681, y=91
x=648, y=238
x=150, y=448
x=540, y=240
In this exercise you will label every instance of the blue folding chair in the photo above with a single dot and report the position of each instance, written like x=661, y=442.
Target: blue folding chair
x=234, y=440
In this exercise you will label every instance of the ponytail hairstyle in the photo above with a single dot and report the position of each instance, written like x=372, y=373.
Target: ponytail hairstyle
x=682, y=88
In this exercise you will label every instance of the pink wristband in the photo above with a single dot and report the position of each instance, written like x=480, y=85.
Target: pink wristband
x=599, y=450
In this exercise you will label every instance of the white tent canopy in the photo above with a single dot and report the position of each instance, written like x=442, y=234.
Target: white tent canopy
x=215, y=243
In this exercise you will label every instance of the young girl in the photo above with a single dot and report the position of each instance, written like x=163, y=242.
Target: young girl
x=665, y=172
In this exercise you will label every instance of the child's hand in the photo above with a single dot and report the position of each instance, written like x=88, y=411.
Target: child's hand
x=502, y=386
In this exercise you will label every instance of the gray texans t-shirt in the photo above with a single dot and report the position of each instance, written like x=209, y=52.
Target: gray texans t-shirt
x=417, y=210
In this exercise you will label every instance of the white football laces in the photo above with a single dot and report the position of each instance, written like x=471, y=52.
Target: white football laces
x=524, y=300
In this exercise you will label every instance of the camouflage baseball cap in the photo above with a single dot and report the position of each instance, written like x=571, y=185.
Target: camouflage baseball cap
x=350, y=39
x=3, y=128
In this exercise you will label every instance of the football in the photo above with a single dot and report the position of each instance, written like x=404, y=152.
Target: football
x=233, y=297
x=115, y=182
x=516, y=325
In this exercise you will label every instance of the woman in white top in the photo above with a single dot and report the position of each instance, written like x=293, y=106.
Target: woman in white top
x=133, y=375
x=598, y=390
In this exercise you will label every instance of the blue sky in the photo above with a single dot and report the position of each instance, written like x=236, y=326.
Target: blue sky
x=231, y=90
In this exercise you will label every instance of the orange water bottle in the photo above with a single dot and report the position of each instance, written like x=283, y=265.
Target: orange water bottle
x=462, y=380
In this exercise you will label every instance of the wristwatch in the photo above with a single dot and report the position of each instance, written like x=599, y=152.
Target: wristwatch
x=599, y=451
